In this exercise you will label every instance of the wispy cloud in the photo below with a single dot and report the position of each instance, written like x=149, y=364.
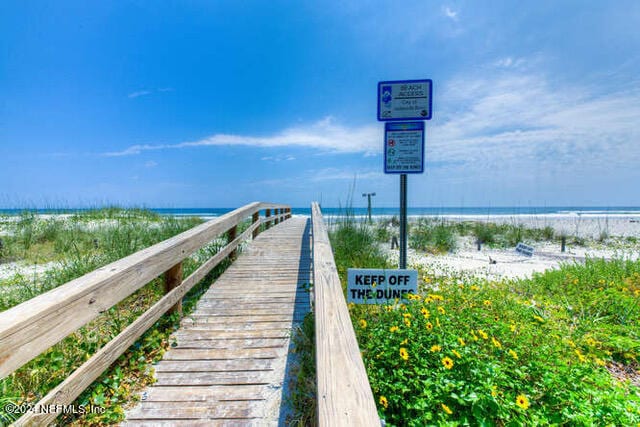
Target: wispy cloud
x=140, y=93
x=324, y=134
x=523, y=121
x=449, y=13
x=150, y=164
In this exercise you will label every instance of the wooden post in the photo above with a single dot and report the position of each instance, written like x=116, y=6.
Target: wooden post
x=268, y=215
x=255, y=218
x=172, y=279
x=230, y=238
x=563, y=244
x=277, y=212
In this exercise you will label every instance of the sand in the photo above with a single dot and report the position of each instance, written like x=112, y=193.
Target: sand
x=468, y=260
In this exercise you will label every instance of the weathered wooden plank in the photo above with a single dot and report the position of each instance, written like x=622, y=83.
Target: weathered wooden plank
x=231, y=344
x=205, y=393
x=194, y=410
x=344, y=393
x=213, y=378
x=214, y=365
x=237, y=334
x=212, y=354
x=204, y=325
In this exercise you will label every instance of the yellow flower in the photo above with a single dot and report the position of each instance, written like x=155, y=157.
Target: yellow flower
x=513, y=327
x=522, y=401
x=363, y=323
x=600, y=362
x=487, y=302
x=456, y=354
x=429, y=326
x=425, y=312
x=475, y=288
x=405, y=341
x=446, y=409
x=539, y=319
x=406, y=315
x=436, y=297
x=435, y=348
x=404, y=354
x=388, y=307
x=393, y=329
x=441, y=310
x=407, y=322
x=581, y=357
x=374, y=284
x=475, y=337
x=351, y=305
x=494, y=391
x=437, y=322
x=403, y=306
x=513, y=354
x=447, y=362
x=383, y=401
x=496, y=342
x=482, y=334
x=591, y=342
x=461, y=341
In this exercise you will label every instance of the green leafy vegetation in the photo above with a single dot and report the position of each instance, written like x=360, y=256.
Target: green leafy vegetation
x=541, y=351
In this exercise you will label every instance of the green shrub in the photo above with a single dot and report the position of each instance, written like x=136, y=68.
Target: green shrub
x=433, y=236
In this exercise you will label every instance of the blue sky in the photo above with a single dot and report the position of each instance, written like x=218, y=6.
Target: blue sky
x=219, y=103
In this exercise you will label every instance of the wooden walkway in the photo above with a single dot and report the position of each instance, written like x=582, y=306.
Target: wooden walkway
x=232, y=357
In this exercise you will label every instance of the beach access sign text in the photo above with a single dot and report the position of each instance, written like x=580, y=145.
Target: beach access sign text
x=404, y=100
x=376, y=286
x=404, y=147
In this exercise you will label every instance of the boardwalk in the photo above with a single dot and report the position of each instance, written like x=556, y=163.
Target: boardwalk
x=232, y=354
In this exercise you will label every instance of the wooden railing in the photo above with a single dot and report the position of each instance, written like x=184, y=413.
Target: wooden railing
x=35, y=325
x=344, y=393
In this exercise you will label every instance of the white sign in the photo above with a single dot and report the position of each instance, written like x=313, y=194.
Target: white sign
x=404, y=147
x=524, y=249
x=375, y=286
x=404, y=100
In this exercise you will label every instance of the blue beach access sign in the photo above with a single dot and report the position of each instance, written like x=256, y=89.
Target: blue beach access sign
x=404, y=100
x=404, y=147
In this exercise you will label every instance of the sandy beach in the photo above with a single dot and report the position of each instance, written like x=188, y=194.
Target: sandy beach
x=603, y=236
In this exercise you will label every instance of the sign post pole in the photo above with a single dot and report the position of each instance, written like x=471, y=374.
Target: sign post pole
x=403, y=221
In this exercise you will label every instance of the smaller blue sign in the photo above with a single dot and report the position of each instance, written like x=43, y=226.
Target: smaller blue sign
x=404, y=147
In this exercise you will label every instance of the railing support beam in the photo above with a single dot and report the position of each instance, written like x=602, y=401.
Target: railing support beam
x=173, y=279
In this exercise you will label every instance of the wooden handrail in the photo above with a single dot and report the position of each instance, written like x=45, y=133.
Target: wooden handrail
x=344, y=393
x=35, y=325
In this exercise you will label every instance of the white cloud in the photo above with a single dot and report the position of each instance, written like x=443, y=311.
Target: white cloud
x=150, y=164
x=324, y=134
x=139, y=93
x=450, y=13
x=520, y=120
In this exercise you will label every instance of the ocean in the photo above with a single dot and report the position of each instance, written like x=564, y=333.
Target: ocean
x=361, y=212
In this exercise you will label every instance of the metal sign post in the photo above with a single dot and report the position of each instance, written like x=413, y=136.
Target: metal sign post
x=398, y=102
x=403, y=221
